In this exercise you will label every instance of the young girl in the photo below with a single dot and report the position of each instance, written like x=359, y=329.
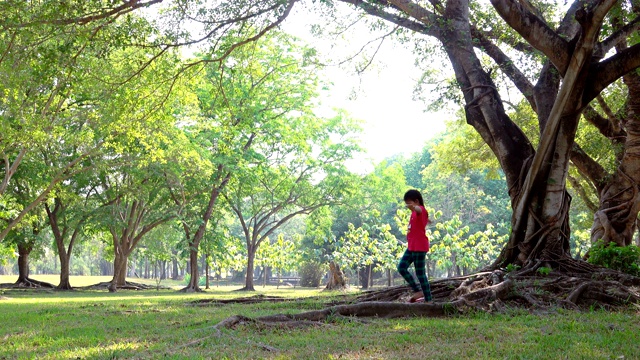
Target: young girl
x=418, y=246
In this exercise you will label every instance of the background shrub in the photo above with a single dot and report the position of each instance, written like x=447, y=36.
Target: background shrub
x=201, y=281
x=311, y=273
x=612, y=256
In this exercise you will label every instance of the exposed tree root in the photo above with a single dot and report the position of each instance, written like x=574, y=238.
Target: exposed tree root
x=243, y=300
x=259, y=298
x=495, y=291
x=28, y=283
x=127, y=286
x=191, y=290
x=218, y=333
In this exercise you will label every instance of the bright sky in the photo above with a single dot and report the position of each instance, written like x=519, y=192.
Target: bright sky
x=393, y=122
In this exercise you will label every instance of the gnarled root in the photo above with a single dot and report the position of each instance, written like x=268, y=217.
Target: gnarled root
x=32, y=283
x=488, y=291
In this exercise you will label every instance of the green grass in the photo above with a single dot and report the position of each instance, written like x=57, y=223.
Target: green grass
x=159, y=324
x=80, y=281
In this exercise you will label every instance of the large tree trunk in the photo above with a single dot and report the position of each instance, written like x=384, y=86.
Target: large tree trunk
x=540, y=226
x=24, y=250
x=617, y=214
x=23, y=263
x=121, y=279
x=615, y=219
x=336, y=278
x=119, y=270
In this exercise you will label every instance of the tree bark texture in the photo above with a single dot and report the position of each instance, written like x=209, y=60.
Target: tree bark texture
x=617, y=214
x=174, y=267
x=193, y=285
x=251, y=255
x=24, y=250
x=65, y=264
x=23, y=262
x=336, y=278
x=61, y=231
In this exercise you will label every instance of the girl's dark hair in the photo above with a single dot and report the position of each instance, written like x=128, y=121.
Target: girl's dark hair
x=413, y=195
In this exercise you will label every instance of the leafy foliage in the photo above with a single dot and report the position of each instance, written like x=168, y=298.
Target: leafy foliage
x=311, y=273
x=612, y=256
x=457, y=252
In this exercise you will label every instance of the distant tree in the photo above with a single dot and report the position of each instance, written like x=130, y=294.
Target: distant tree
x=291, y=178
x=137, y=201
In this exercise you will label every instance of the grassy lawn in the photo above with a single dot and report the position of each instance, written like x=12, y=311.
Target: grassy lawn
x=159, y=324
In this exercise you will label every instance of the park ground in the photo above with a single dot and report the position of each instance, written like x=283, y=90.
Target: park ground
x=166, y=324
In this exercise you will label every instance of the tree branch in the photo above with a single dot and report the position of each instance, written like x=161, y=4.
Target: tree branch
x=506, y=65
x=620, y=35
x=582, y=192
x=431, y=28
x=607, y=71
x=589, y=168
x=535, y=31
x=127, y=7
x=604, y=125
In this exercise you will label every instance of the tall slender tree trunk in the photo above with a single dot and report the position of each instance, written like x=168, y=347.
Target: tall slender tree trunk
x=65, y=268
x=193, y=285
x=251, y=254
x=59, y=234
x=206, y=263
x=175, y=272
x=264, y=278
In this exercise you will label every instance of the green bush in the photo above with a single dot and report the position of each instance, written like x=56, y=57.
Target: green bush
x=311, y=273
x=201, y=282
x=544, y=270
x=612, y=256
x=512, y=267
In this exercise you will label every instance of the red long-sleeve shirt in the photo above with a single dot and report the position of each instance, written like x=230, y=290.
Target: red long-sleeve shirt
x=416, y=236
